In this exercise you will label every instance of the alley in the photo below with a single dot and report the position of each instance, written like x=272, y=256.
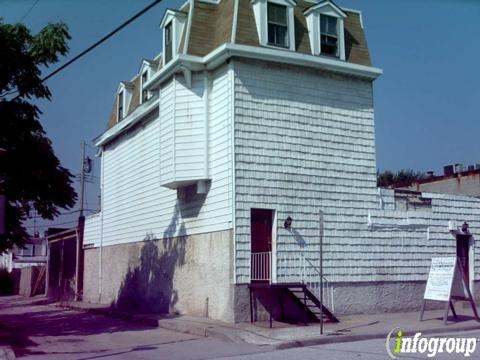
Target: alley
x=38, y=331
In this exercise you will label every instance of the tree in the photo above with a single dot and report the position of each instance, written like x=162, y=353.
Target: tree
x=388, y=178
x=31, y=176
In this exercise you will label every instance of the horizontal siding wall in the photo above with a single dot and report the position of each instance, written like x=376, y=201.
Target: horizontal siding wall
x=136, y=207
x=305, y=142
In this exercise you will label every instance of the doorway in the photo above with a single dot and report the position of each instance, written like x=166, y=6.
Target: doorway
x=261, y=227
x=463, y=250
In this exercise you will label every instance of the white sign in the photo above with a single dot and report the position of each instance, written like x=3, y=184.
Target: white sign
x=440, y=278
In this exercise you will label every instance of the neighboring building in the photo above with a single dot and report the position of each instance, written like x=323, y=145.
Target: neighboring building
x=455, y=180
x=228, y=155
x=34, y=253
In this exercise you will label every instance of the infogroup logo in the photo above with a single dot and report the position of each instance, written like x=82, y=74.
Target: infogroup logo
x=397, y=344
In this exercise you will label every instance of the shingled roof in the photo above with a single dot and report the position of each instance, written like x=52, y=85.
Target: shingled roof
x=212, y=26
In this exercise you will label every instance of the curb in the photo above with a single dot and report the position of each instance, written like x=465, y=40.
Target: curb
x=203, y=330
x=352, y=338
x=228, y=334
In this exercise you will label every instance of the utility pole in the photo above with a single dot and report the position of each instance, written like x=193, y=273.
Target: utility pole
x=82, y=180
x=85, y=168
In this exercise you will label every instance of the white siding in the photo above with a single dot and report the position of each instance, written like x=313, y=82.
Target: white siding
x=304, y=142
x=135, y=205
x=183, y=132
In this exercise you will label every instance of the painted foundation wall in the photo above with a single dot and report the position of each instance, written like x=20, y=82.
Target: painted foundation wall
x=184, y=275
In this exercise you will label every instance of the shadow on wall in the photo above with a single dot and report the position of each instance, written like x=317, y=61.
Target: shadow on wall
x=297, y=237
x=148, y=288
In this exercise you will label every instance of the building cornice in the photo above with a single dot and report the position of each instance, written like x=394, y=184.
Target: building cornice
x=226, y=51
x=126, y=123
x=187, y=63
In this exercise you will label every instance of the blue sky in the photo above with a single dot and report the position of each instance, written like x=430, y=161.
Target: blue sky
x=426, y=103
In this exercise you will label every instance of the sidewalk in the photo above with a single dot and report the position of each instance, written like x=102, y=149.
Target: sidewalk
x=282, y=336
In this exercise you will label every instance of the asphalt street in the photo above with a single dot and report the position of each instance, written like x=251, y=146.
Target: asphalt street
x=48, y=332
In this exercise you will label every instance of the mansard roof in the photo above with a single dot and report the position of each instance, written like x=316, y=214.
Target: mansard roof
x=214, y=23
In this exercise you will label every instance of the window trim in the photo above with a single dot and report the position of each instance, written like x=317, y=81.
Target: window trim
x=278, y=25
x=176, y=20
x=336, y=36
x=313, y=15
x=121, y=105
x=260, y=11
x=143, y=92
x=169, y=28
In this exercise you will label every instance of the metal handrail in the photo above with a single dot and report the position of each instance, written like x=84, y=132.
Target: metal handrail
x=314, y=268
x=261, y=266
x=298, y=268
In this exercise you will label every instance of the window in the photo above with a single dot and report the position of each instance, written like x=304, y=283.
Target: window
x=120, y=106
x=145, y=94
x=277, y=25
x=168, y=42
x=325, y=22
x=328, y=35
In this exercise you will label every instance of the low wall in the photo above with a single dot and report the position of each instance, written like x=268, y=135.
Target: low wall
x=376, y=297
x=349, y=298
x=184, y=275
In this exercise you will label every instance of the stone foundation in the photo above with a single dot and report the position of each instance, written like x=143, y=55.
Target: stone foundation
x=184, y=275
x=377, y=297
x=193, y=275
x=349, y=298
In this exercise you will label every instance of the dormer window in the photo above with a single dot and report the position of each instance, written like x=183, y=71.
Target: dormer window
x=124, y=95
x=328, y=35
x=120, y=106
x=173, y=24
x=277, y=25
x=145, y=93
x=147, y=69
x=168, y=42
x=325, y=29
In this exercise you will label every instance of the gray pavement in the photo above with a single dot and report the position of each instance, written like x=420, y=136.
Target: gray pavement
x=360, y=350
x=282, y=335
x=38, y=331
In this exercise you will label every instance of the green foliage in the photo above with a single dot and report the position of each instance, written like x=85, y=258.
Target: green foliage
x=388, y=178
x=30, y=173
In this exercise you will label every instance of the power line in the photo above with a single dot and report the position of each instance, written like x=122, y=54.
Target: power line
x=93, y=46
x=28, y=11
x=102, y=40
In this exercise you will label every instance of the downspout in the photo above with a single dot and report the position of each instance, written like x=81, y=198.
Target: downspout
x=206, y=85
x=231, y=75
x=102, y=209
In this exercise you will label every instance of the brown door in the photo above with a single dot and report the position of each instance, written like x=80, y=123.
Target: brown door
x=463, y=245
x=261, y=222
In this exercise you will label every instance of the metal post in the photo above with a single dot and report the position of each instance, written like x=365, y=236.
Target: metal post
x=321, y=269
x=82, y=179
x=79, y=234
